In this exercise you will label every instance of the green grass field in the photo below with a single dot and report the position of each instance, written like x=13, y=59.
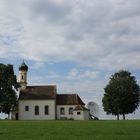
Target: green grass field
x=70, y=130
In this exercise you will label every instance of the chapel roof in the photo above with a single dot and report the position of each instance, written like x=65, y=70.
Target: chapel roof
x=80, y=108
x=49, y=92
x=68, y=99
x=38, y=92
x=23, y=66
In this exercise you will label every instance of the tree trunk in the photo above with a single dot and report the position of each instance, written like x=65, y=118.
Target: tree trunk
x=123, y=116
x=8, y=116
x=118, y=117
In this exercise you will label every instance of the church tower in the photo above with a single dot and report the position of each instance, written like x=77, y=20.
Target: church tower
x=23, y=68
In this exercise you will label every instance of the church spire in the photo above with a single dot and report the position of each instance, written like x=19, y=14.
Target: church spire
x=23, y=68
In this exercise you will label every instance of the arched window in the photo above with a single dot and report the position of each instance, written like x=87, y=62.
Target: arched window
x=46, y=110
x=62, y=110
x=36, y=110
x=26, y=108
x=70, y=110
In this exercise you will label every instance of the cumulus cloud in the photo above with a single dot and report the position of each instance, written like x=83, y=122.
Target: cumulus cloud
x=93, y=33
x=76, y=74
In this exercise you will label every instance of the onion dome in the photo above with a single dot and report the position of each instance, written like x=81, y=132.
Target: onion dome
x=23, y=66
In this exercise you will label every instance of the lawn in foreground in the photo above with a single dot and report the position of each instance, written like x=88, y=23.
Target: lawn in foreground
x=70, y=130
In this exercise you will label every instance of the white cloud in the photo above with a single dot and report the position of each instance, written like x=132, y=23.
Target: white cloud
x=37, y=65
x=92, y=74
x=73, y=74
x=93, y=33
x=76, y=74
x=53, y=75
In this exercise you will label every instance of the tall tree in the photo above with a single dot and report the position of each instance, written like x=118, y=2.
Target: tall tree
x=7, y=88
x=122, y=94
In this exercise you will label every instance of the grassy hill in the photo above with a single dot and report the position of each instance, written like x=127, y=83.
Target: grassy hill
x=70, y=130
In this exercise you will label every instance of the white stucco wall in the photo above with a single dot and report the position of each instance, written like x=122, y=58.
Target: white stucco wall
x=78, y=117
x=22, y=73
x=84, y=115
x=30, y=115
x=66, y=115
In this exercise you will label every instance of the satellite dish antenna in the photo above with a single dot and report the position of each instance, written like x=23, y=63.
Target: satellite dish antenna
x=94, y=110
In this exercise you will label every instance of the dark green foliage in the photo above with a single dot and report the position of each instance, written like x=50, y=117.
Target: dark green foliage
x=122, y=94
x=7, y=85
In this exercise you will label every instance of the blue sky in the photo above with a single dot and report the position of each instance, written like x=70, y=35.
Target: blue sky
x=74, y=44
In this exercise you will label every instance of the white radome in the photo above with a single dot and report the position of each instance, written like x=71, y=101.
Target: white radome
x=94, y=109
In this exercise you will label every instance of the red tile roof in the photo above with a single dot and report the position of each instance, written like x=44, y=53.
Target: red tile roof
x=38, y=92
x=80, y=107
x=49, y=92
x=68, y=99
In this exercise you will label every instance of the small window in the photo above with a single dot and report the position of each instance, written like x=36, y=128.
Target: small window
x=22, y=77
x=26, y=108
x=70, y=110
x=46, y=110
x=62, y=110
x=78, y=113
x=36, y=110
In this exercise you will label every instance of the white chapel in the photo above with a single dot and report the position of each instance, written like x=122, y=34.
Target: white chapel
x=43, y=102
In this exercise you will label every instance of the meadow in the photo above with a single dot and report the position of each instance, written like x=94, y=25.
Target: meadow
x=70, y=130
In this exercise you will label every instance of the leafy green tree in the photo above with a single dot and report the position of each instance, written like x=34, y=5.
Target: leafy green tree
x=8, y=84
x=122, y=94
